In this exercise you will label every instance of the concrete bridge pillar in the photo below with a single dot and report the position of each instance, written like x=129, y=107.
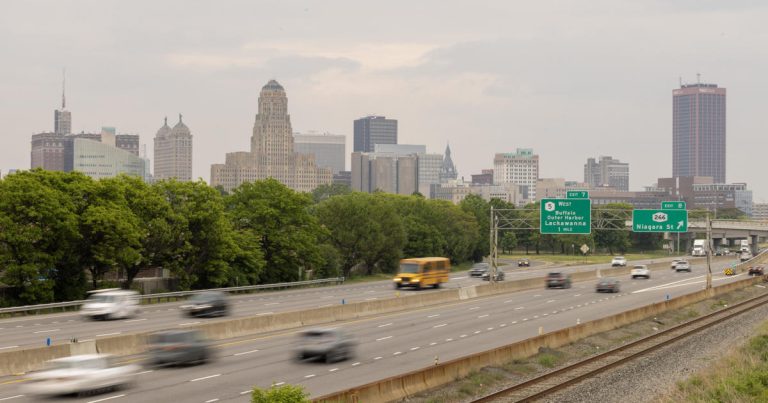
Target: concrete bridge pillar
x=754, y=244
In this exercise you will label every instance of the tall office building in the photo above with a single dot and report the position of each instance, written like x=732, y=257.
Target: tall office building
x=429, y=165
x=698, y=131
x=372, y=130
x=607, y=172
x=173, y=152
x=62, y=119
x=272, y=150
x=386, y=172
x=329, y=149
x=520, y=168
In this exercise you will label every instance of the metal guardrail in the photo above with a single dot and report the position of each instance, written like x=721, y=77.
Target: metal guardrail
x=173, y=295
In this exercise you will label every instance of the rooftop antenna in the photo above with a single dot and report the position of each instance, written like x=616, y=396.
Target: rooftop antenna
x=698, y=78
x=63, y=88
x=680, y=78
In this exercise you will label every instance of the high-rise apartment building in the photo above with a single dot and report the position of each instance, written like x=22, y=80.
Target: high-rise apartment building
x=329, y=149
x=372, y=130
x=173, y=152
x=386, y=172
x=272, y=150
x=520, y=168
x=429, y=165
x=698, y=131
x=607, y=172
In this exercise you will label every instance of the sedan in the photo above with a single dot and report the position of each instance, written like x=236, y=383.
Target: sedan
x=523, y=263
x=208, y=303
x=498, y=277
x=640, y=270
x=479, y=269
x=608, y=284
x=80, y=373
x=683, y=265
x=329, y=345
x=175, y=347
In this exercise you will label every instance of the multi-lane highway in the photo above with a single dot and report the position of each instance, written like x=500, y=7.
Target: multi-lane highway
x=31, y=331
x=395, y=343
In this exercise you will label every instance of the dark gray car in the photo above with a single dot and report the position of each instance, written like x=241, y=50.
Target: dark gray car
x=329, y=345
x=498, y=277
x=608, y=284
x=207, y=303
x=558, y=279
x=479, y=269
x=174, y=347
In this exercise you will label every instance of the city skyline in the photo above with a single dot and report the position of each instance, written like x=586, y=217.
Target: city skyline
x=451, y=86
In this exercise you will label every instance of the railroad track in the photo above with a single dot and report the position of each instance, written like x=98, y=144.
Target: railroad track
x=559, y=379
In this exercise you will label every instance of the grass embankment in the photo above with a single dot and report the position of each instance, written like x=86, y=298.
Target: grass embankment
x=589, y=259
x=741, y=376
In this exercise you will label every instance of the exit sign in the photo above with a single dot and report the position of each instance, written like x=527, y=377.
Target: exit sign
x=673, y=205
x=577, y=194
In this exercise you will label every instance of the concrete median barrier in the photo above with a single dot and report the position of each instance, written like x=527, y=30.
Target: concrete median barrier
x=22, y=361
x=402, y=386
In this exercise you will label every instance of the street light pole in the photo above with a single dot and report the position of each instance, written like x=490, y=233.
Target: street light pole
x=708, y=251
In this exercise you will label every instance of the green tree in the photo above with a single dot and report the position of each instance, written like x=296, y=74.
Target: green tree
x=280, y=394
x=481, y=210
x=289, y=236
x=111, y=238
x=365, y=229
x=614, y=239
x=323, y=192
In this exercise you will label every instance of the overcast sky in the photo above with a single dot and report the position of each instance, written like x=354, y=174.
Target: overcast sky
x=570, y=79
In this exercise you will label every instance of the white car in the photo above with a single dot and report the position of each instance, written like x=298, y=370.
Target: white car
x=80, y=373
x=640, y=270
x=111, y=304
x=683, y=265
x=674, y=263
x=619, y=261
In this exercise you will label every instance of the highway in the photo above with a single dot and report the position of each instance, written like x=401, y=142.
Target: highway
x=395, y=343
x=32, y=331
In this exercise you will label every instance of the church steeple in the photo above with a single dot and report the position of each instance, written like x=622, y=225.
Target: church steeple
x=448, y=169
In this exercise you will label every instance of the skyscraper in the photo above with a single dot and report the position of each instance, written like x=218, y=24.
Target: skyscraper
x=520, y=168
x=173, y=152
x=698, y=131
x=607, y=171
x=272, y=154
x=372, y=130
x=329, y=149
x=62, y=119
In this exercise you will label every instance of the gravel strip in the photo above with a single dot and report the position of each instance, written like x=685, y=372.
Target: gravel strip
x=647, y=379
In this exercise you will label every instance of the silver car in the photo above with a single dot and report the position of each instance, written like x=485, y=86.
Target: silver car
x=78, y=374
x=479, y=269
x=329, y=345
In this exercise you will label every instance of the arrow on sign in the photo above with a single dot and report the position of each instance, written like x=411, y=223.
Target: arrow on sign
x=680, y=224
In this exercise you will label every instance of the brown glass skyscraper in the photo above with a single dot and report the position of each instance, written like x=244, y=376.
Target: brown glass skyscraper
x=698, y=131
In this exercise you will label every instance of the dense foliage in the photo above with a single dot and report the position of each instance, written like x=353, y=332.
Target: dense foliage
x=62, y=233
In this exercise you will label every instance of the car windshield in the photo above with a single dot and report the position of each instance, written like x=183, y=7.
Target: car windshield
x=205, y=297
x=101, y=298
x=409, y=267
x=555, y=274
x=619, y=258
x=319, y=336
x=607, y=281
x=639, y=267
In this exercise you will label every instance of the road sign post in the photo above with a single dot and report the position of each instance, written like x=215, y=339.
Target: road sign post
x=565, y=216
x=660, y=220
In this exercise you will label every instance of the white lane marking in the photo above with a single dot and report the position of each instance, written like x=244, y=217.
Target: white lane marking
x=490, y=328
x=212, y=400
x=524, y=319
x=551, y=300
x=483, y=316
x=415, y=348
x=265, y=313
x=245, y=352
x=535, y=316
x=108, y=334
x=503, y=325
x=188, y=323
x=385, y=325
x=576, y=295
x=19, y=326
x=46, y=331
x=459, y=278
x=508, y=301
x=12, y=397
x=245, y=392
x=309, y=376
x=7, y=347
x=333, y=370
x=676, y=284
x=537, y=295
x=328, y=296
x=376, y=358
x=448, y=339
x=280, y=383
x=434, y=316
x=397, y=353
x=272, y=303
x=514, y=321
x=105, y=399
x=145, y=372
x=554, y=312
x=135, y=320
x=205, y=377
x=519, y=308
x=54, y=323
x=384, y=338
x=546, y=314
x=472, y=309
x=441, y=325
x=432, y=344
x=463, y=336
x=355, y=364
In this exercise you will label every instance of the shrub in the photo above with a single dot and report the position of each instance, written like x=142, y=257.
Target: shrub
x=280, y=394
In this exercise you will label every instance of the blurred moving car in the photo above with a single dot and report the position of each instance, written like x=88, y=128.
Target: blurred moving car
x=745, y=255
x=329, y=345
x=683, y=265
x=619, y=261
x=755, y=271
x=207, y=303
x=174, y=347
x=557, y=279
x=498, y=277
x=80, y=373
x=479, y=269
x=608, y=284
x=640, y=270
x=674, y=263
x=523, y=263
x=112, y=303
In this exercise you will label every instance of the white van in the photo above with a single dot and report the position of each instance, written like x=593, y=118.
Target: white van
x=112, y=303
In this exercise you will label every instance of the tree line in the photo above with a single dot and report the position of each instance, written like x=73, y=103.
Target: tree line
x=62, y=233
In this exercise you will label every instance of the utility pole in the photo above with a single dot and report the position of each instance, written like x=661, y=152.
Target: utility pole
x=494, y=245
x=709, y=252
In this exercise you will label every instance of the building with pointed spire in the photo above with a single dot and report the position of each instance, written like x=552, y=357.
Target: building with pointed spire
x=62, y=118
x=173, y=152
x=448, y=169
x=272, y=152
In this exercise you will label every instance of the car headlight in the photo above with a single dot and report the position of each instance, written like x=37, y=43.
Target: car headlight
x=397, y=279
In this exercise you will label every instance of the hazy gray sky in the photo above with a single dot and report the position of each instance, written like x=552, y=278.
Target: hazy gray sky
x=570, y=79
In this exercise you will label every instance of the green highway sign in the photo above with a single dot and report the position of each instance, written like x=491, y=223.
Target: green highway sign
x=661, y=220
x=565, y=216
x=577, y=194
x=673, y=205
